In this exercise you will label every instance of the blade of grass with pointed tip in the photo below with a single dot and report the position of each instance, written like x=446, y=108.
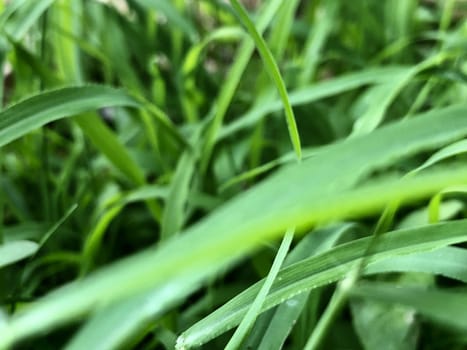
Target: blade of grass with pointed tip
x=273, y=70
x=232, y=80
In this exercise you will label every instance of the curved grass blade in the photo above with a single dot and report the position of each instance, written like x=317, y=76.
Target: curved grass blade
x=386, y=93
x=324, y=269
x=190, y=92
x=34, y=112
x=193, y=57
x=273, y=70
x=448, y=261
x=451, y=150
x=234, y=229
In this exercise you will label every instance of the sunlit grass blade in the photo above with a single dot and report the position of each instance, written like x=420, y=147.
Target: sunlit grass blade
x=273, y=70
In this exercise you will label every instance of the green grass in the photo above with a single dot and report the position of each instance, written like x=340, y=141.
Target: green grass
x=149, y=172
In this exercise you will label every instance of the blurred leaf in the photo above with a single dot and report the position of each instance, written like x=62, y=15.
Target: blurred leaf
x=117, y=324
x=21, y=15
x=384, y=327
x=14, y=251
x=454, y=149
x=168, y=9
x=34, y=112
x=444, y=306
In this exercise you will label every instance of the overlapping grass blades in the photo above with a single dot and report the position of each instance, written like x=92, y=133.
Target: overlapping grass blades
x=333, y=265
x=234, y=229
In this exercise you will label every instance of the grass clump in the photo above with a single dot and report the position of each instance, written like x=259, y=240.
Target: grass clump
x=149, y=170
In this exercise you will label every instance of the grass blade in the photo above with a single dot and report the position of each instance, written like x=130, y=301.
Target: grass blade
x=288, y=312
x=232, y=80
x=257, y=304
x=448, y=261
x=271, y=66
x=34, y=112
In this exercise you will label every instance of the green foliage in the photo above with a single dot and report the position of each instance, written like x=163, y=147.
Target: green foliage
x=148, y=174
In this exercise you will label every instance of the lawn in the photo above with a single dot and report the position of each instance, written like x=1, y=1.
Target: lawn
x=261, y=174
